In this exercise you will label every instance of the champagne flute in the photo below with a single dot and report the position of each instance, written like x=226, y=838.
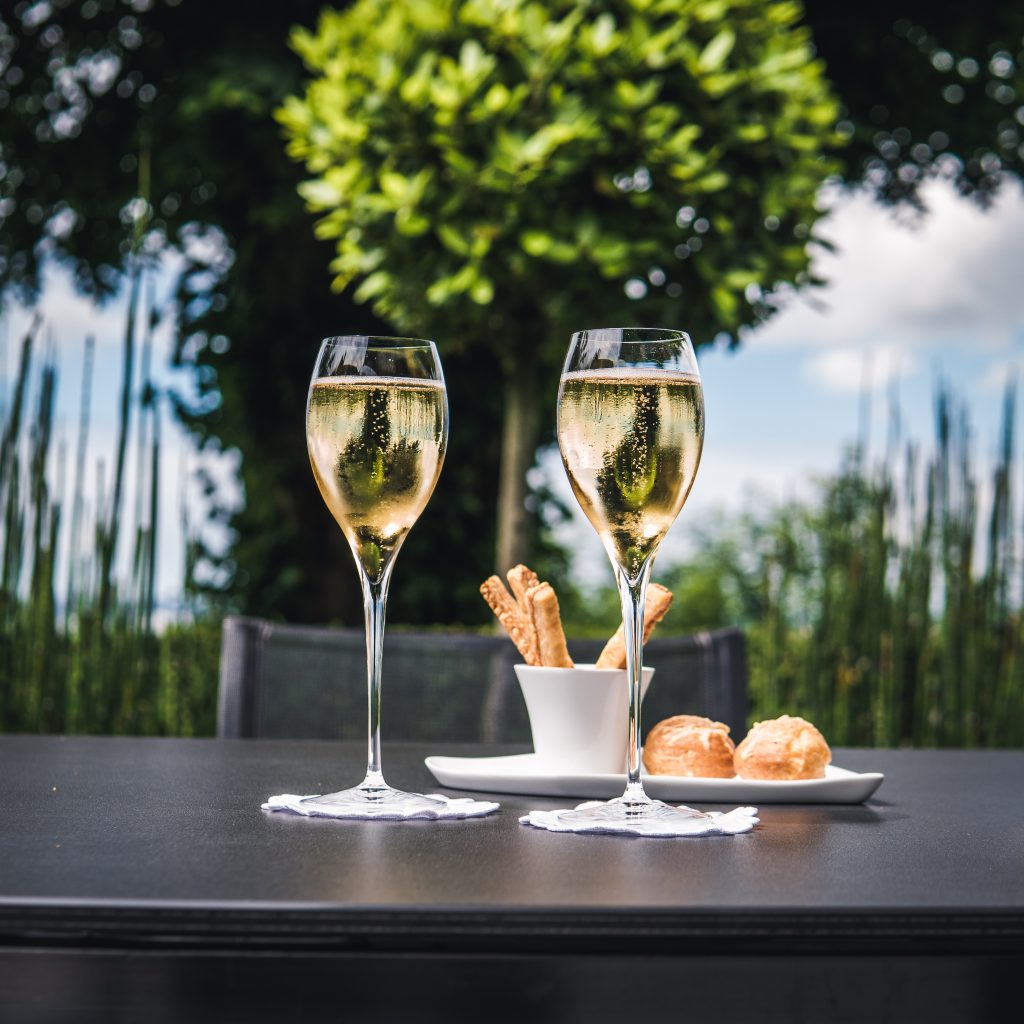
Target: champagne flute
x=376, y=430
x=630, y=430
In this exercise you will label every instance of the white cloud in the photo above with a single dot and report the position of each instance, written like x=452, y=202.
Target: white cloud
x=69, y=317
x=854, y=370
x=952, y=278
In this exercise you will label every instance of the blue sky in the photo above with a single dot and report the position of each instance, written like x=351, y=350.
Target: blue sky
x=907, y=300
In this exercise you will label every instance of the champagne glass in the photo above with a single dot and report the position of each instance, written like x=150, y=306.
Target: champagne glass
x=376, y=430
x=630, y=430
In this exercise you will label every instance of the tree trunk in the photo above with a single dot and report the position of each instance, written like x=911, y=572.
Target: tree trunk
x=518, y=446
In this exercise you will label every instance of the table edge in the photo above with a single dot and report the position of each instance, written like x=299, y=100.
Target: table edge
x=570, y=930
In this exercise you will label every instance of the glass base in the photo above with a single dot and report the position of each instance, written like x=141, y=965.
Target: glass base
x=627, y=810
x=375, y=800
x=630, y=817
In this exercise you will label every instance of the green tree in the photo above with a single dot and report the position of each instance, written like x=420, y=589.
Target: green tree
x=87, y=87
x=86, y=91
x=498, y=173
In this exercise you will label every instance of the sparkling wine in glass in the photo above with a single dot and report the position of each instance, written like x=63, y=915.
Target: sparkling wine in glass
x=630, y=430
x=376, y=430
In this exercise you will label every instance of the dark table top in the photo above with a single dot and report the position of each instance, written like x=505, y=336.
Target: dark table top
x=109, y=841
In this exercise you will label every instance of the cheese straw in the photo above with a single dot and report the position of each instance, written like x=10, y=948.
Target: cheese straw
x=657, y=603
x=518, y=626
x=547, y=624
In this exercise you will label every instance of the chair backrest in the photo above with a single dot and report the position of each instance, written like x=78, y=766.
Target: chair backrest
x=309, y=682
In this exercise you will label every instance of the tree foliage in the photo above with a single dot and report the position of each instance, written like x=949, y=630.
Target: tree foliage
x=928, y=90
x=87, y=88
x=90, y=90
x=490, y=165
x=499, y=173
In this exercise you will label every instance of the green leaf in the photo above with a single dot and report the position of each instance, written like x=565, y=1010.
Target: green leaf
x=453, y=240
x=682, y=139
x=717, y=85
x=752, y=133
x=714, y=55
x=459, y=162
x=713, y=10
x=374, y=285
x=737, y=280
x=416, y=88
x=497, y=98
x=562, y=252
x=472, y=59
x=482, y=292
x=713, y=182
x=444, y=95
x=536, y=243
x=634, y=97
x=439, y=292
x=320, y=194
x=410, y=223
x=544, y=141
x=394, y=186
x=601, y=36
x=726, y=304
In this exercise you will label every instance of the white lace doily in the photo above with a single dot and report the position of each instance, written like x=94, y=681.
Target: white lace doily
x=713, y=823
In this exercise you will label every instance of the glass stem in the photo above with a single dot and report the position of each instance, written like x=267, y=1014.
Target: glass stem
x=375, y=596
x=632, y=595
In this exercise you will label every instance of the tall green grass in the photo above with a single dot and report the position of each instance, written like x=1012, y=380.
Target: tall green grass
x=89, y=659
x=888, y=609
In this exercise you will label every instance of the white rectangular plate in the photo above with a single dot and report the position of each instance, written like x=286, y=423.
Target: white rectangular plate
x=526, y=774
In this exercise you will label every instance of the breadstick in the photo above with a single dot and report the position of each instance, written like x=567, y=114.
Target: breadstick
x=518, y=627
x=520, y=579
x=548, y=624
x=655, y=605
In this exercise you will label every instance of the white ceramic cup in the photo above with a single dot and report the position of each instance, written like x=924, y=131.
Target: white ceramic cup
x=579, y=716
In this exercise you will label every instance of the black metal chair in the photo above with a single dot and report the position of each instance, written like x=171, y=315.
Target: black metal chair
x=301, y=682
